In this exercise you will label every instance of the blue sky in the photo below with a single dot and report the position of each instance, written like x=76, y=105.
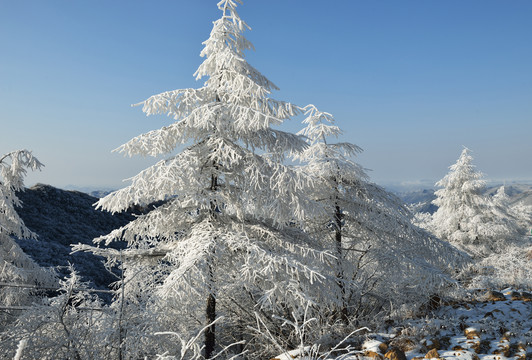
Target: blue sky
x=409, y=81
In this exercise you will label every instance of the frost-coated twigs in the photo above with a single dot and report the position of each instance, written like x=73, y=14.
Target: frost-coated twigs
x=300, y=328
x=13, y=168
x=37, y=287
x=17, y=267
x=192, y=350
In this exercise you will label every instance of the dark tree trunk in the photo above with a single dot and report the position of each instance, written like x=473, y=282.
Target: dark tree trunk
x=210, y=310
x=210, y=333
x=342, y=313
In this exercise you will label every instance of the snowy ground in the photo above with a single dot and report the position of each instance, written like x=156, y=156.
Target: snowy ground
x=481, y=329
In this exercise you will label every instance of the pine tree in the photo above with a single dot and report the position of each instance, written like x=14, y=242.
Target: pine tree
x=17, y=268
x=461, y=204
x=465, y=216
x=336, y=176
x=380, y=254
x=227, y=231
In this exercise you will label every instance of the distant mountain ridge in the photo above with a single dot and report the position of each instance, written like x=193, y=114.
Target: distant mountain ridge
x=517, y=193
x=61, y=218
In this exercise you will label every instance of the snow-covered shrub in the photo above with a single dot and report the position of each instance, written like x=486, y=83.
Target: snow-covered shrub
x=421, y=219
x=303, y=329
x=520, y=213
x=71, y=325
x=511, y=267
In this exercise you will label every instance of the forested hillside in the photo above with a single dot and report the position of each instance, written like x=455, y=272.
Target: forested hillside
x=61, y=218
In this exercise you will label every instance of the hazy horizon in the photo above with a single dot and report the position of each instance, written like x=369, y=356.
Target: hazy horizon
x=402, y=186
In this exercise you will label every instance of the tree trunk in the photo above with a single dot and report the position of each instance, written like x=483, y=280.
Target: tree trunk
x=210, y=310
x=342, y=313
x=210, y=333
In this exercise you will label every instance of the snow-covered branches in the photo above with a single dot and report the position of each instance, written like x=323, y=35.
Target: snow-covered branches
x=71, y=325
x=15, y=265
x=13, y=168
x=379, y=253
x=234, y=231
x=234, y=103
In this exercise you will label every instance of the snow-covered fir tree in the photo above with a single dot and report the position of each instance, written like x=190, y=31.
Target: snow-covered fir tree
x=336, y=176
x=225, y=241
x=16, y=268
x=465, y=216
x=382, y=259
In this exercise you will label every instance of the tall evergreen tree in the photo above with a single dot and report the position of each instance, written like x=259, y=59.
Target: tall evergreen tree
x=227, y=230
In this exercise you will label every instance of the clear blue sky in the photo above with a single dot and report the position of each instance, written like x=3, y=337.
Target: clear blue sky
x=409, y=81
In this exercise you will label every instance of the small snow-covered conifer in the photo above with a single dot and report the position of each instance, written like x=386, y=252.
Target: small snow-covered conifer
x=500, y=198
x=467, y=217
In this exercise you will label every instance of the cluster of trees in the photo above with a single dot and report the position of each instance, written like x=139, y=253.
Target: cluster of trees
x=488, y=228
x=239, y=244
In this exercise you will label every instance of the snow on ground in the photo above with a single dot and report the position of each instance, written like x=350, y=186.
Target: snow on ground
x=485, y=328
x=492, y=326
